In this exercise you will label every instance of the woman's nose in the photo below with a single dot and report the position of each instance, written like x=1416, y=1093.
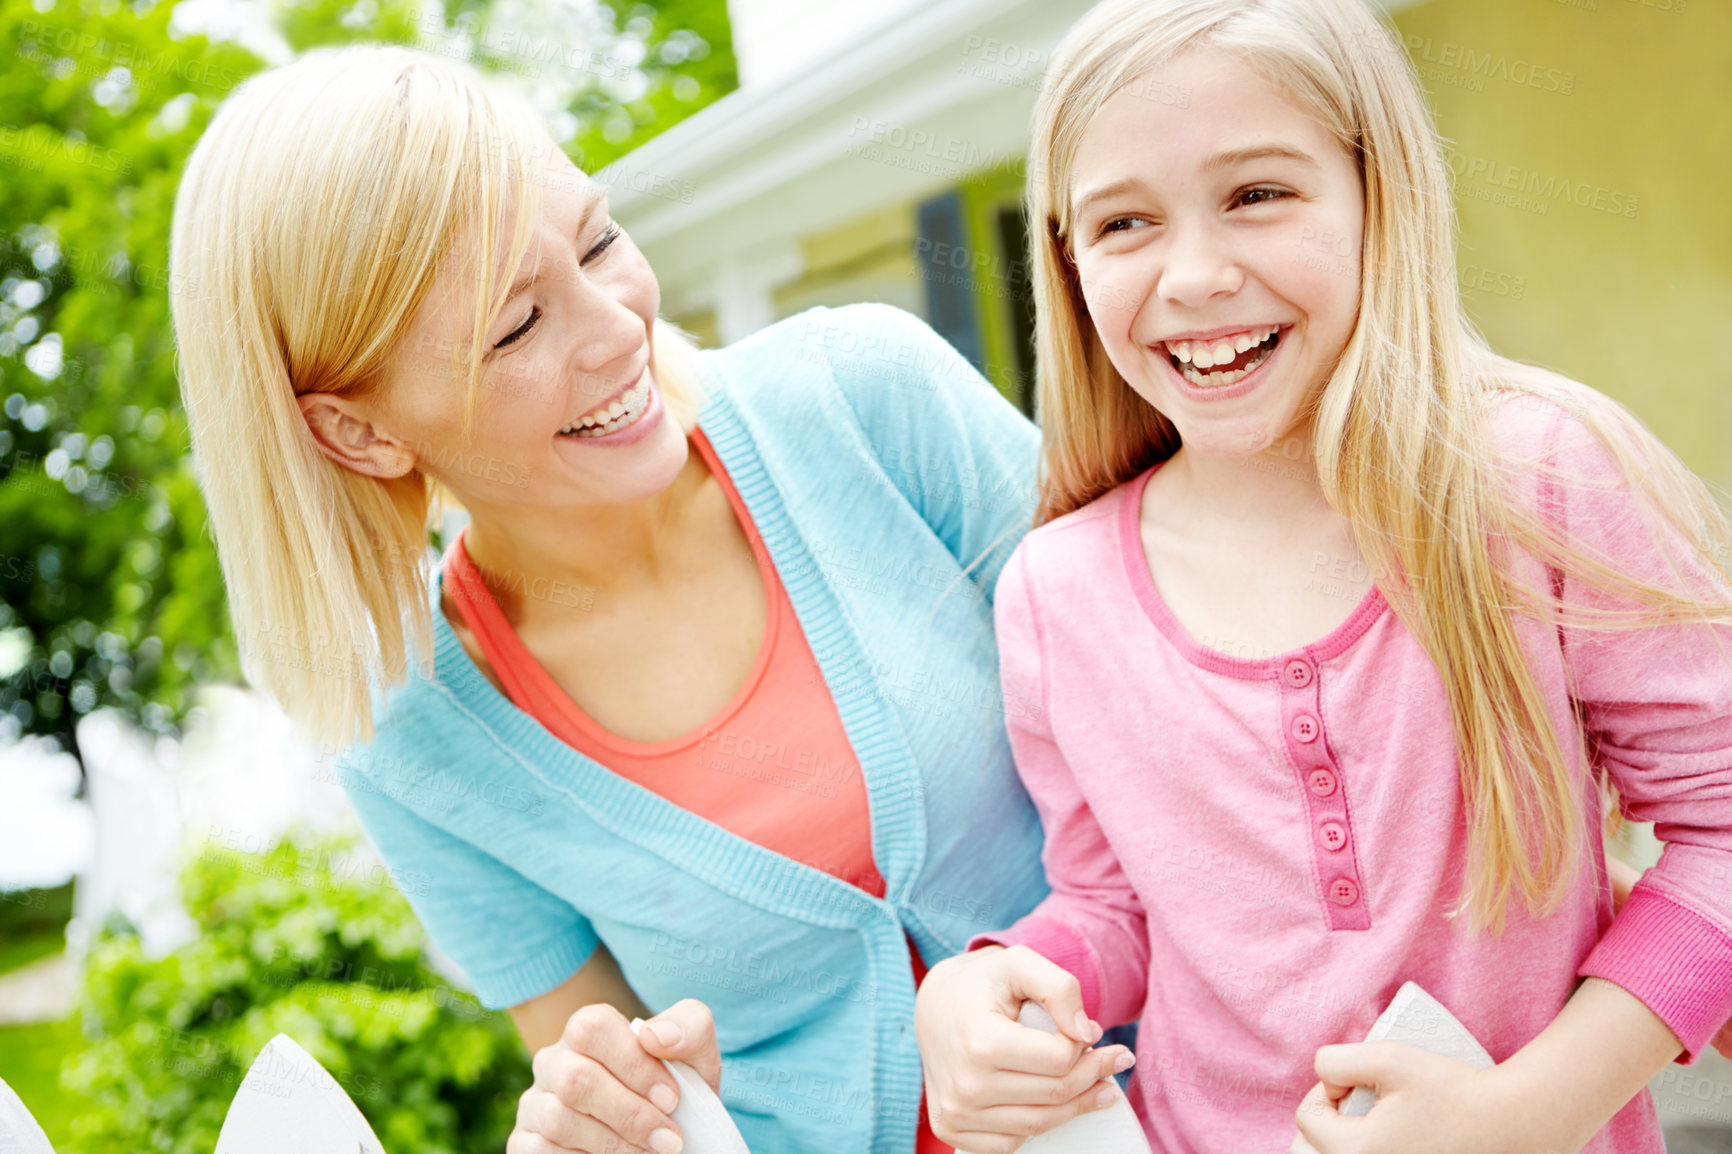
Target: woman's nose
x=611, y=332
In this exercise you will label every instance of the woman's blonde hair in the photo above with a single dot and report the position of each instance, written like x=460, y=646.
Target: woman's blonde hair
x=1398, y=442
x=312, y=219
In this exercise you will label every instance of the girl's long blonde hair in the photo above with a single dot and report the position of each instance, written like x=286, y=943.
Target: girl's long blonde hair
x=310, y=223
x=1398, y=442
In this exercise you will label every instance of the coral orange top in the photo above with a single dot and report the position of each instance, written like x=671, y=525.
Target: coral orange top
x=774, y=766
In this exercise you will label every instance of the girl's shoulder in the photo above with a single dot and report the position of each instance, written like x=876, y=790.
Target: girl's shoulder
x=1069, y=552
x=1584, y=472
x=1549, y=436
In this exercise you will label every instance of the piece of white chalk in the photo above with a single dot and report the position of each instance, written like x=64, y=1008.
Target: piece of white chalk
x=289, y=1104
x=705, y=1124
x=1114, y=1130
x=1418, y=1019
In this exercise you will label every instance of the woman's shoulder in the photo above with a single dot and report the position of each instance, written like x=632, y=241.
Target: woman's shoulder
x=421, y=718
x=877, y=356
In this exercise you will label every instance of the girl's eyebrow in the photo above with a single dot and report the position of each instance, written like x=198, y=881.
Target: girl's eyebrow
x=1220, y=160
x=1237, y=156
x=1106, y=191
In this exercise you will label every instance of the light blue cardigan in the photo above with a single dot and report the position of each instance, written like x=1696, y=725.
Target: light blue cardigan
x=877, y=465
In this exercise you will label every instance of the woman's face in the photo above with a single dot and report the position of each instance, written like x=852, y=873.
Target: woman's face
x=568, y=409
x=1217, y=231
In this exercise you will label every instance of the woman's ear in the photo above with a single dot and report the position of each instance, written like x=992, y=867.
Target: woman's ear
x=347, y=437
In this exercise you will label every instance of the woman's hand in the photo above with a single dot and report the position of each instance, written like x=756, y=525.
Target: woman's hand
x=600, y=1088
x=990, y=1082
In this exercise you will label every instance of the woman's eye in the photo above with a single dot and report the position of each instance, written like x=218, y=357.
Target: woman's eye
x=1119, y=224
x=1260, y=195
x=610, y=234
x=520, y=330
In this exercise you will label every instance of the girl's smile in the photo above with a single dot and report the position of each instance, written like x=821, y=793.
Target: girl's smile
x=1224, y=364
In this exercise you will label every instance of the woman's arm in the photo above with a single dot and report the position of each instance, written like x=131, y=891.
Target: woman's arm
x=598, y=1085
x=541, y=1020
x=962, y=455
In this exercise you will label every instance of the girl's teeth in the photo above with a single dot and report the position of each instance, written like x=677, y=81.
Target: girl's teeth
x=1223, y=352
x=1201, y=359
x=1242, y=342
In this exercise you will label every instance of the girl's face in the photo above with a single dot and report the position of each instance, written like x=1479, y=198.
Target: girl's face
x=1217, y=231
x=569, y=410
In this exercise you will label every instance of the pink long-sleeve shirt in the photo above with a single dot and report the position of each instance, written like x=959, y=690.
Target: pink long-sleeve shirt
x=1249, y=854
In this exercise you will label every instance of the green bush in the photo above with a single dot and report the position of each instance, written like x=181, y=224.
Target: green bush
x=303, y=942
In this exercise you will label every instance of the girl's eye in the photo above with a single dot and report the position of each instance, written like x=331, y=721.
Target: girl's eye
x=610, y=234
x=522, y=329
x=1260, y=195
x=1119, y=224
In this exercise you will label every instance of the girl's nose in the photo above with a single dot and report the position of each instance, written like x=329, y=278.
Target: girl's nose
x=1197, y=267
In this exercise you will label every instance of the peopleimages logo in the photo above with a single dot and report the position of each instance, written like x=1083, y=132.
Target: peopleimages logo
x=1490, y=65
x=38, y=38
x=1533, y=190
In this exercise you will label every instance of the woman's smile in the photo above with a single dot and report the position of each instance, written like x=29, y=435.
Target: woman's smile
x=636, y=407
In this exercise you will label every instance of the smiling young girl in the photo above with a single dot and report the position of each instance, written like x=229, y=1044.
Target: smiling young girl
x=1336, y=637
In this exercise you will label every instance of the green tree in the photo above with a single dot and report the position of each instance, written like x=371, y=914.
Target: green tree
x=109, y=590
x=304, y=940
x=110, y=593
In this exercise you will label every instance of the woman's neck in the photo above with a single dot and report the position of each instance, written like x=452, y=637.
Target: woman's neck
x=601, y=547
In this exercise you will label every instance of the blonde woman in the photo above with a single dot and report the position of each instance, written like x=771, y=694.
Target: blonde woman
x=700, y=712
x=1335, y=633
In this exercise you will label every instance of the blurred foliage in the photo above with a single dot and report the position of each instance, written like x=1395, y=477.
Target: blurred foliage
x=110, y=593
x=33, y=924
x=109, y=589
x=306, y=941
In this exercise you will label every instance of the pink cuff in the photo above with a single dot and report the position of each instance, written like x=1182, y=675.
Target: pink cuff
x=1672, y=958
x=1059, y=944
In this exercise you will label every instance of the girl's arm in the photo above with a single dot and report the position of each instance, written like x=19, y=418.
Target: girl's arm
x=1082, y=952
x=1551, y=1096
x=1092, y=923
x=1656, y=710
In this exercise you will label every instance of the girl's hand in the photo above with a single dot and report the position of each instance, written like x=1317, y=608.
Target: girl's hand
x=599, y=1088
x=1426, y=1104
x=990, y=1082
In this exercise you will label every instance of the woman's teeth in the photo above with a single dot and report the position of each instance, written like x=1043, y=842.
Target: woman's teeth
x=627, y=408
x=1193, y=358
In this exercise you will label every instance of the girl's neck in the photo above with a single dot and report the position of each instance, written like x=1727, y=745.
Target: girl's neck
x=1277, y=484
x=601, y=547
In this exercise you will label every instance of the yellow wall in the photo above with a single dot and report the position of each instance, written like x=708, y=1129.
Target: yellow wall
x=1625, y=99
x=870, y=258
